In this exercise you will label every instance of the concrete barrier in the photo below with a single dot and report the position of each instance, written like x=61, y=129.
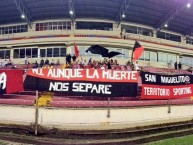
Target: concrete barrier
x=95, y=118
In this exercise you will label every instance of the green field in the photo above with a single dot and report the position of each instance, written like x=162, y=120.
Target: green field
x=185, y=140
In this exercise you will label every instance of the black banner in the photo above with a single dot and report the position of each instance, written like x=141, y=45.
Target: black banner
x=169, y=80
x=103, y=83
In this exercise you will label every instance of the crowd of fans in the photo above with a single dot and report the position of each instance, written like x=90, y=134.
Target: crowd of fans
x=73, y=62
x=6, y=63
x=80, y=63
x=46, y=63
x=76, y=63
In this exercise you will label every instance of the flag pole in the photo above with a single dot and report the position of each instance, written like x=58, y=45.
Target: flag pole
x=132, y=57
x=36, y=113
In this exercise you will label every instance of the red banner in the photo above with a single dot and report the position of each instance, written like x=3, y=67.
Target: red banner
x=11, y=81
x=96, y=75
x=166, y=92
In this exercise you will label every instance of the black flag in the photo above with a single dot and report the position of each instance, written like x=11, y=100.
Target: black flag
x=113, y=53
x=97, y=49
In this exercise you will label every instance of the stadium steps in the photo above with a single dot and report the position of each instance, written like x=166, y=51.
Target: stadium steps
x=17, y=102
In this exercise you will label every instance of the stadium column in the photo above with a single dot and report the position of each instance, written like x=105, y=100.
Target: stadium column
x=11, y=51
x=73, y=27
x=33, y=29
x=154, y=33
x=69, y=49
x=183, y=39
x=117, y=29
x=179, y=57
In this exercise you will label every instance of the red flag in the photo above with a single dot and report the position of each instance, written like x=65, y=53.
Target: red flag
x=137, y=51
x=76, y=50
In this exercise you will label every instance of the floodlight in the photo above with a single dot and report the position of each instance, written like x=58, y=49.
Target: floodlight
x=71, y=12
x=188, y=5
x=23, y=16
x=123, y=15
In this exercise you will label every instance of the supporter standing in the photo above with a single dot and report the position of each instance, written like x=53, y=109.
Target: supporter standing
x=179, y=65
x=58, y=62
x=124, y=68
x=47, y=61
x=176, y=65
x=115, y=62
x=1, y=63
x=111, y=61
x=52, y=63
x=129, y=66
x=42, y=62
x=36, y=64
x=109, y=65
x=6, y=62
x=170, y=64
x=84, y=63
x=68, y=59
x=74, y=58
x=26, y=60
x=103, y=66
x=136, y=66
x=121, y=34
x=9, y=62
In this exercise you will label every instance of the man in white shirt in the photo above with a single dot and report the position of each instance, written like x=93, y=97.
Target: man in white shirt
x=26, y=60
x=6, y=62
x=137, y=66
x=103, y=66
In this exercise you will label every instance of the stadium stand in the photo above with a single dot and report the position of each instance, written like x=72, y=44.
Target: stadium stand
x=52, y=37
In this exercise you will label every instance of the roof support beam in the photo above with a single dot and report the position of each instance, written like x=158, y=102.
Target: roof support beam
x=171, y=15
x=188, y=32
x=23, y=11
x=72, y=11
x=122, y=12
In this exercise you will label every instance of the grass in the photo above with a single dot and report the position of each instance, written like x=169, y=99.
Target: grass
x=2, y=143
x=185, y=140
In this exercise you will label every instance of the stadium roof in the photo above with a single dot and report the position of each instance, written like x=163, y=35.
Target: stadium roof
x=155, y=13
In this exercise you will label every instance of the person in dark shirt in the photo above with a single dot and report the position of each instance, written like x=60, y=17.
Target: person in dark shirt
x=121, y=34
x=109, y=65
x=180, y=65
x=46, y=62
x=74, y=58
x=35, y=65
x=42, y=62
x=68, y=59
x=176, y=65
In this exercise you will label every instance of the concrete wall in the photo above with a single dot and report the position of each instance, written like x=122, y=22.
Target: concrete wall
x=156, y=45
x=17, y=115
x=95, y=118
